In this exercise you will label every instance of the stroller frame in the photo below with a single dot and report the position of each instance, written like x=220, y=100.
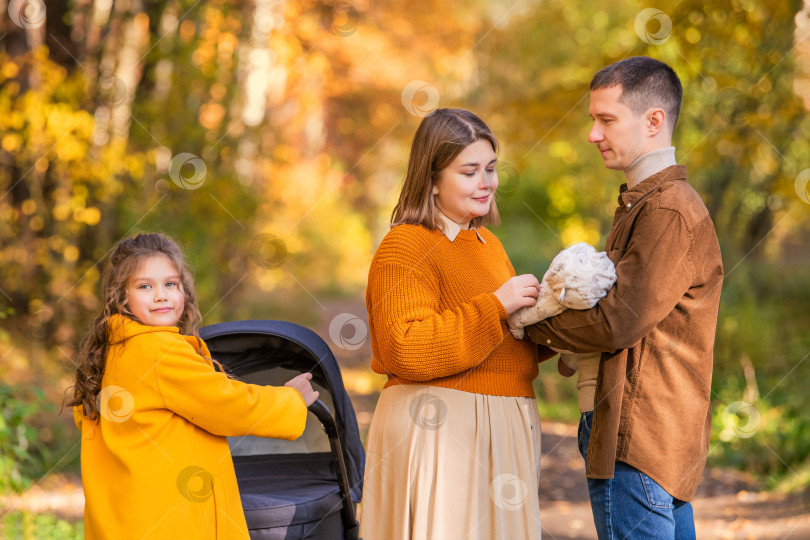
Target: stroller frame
x=330, y=377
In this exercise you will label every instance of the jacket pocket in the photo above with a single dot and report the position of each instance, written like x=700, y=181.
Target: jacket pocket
x=656, y=495
x=221, y=517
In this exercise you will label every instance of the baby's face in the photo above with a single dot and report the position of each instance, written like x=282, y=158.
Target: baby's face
x=155, y=292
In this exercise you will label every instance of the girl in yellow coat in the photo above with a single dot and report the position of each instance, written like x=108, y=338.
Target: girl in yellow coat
x=154, y=413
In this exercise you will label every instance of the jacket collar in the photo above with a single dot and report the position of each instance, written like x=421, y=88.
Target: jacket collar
x=629, y=197
x=122, y=328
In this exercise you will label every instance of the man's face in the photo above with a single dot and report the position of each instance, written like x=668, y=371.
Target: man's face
x=619, y=133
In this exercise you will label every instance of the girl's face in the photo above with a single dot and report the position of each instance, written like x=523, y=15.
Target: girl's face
x=467, y=186
x=155, y=293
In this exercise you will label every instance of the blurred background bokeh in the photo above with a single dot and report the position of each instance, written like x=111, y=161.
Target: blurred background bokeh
x=270, y=137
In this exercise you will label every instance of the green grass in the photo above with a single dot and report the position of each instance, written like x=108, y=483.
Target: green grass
x=29, y=526
x=567, y=412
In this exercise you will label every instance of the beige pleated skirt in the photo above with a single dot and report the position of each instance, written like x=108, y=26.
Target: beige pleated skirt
x=444, y=464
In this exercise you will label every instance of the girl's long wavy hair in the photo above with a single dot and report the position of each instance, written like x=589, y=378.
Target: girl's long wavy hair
x=125, y=259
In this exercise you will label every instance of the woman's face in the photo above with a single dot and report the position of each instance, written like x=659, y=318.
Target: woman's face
x=155, y=292
x=467, y=186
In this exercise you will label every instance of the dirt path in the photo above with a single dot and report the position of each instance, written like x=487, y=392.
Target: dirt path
x=728, y=504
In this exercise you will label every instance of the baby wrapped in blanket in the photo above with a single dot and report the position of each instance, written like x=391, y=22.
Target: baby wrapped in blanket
x=578, y=278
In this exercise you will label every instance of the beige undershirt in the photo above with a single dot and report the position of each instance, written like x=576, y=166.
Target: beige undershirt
x=587, y=367
x=587, y=364
x=649, y=164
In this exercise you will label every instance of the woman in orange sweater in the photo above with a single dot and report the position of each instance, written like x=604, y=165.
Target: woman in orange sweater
x=154, y=412
x=453, y=450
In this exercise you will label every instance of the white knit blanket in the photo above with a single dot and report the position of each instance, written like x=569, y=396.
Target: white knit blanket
x=578, y=278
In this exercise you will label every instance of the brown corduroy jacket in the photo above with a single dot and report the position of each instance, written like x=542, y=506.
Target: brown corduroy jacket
x=652, y=405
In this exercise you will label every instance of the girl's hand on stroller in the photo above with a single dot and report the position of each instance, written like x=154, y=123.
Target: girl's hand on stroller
x=302, y=384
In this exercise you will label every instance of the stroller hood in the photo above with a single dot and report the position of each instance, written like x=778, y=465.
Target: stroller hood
x=245, y=346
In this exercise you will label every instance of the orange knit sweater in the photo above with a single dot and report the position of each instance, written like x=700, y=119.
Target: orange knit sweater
x=434, y=319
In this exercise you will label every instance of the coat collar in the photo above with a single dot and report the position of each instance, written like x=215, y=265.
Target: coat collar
x=629, y=197
x=122, y=328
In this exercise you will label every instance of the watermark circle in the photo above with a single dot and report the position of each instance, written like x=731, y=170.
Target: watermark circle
x=28, y=14
x=742, y=418
x=115, y=404
x=111, y=90
x=670, y=347
x=161, y=185
x=508, y=178
x=667, y=345
x=415, y=106
x=358, y=334
x=509, y=492
x=187, y=171
x=34, y=327
x=802, y=186
x=195, y=484
x=267, y=250
x=428, y=411
x=642, y=22
x=341, y=19
x=732, y=106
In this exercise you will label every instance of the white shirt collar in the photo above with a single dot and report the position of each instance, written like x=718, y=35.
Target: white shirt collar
x=451, y=229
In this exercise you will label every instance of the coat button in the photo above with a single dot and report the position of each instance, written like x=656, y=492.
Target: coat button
x=548, y=341
x=629, y=205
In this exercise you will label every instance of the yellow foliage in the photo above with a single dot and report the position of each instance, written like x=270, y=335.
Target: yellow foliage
x=575, y=229
x=9, y=69
x=11, y=142
x=92, y=216
x=211, y=115
x=561, y=196
x=36, y=223
x=28, y=207
x=71, y=254
x=362, y=382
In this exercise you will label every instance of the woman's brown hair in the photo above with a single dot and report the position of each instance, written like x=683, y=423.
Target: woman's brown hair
x=125, y=259
x=441, y=136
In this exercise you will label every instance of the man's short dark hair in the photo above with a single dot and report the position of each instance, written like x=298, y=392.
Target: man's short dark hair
x=646, y=83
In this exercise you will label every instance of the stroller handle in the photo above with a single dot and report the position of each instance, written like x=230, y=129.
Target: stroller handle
x=324, y=415
x=319, y=409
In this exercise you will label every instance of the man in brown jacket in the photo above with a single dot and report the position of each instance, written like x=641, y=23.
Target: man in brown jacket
x=646, y=441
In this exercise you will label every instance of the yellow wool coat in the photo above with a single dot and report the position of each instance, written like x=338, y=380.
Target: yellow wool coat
x=157, y=464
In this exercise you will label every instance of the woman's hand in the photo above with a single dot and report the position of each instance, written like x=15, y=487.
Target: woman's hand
x=517, y=292
x=302, y=384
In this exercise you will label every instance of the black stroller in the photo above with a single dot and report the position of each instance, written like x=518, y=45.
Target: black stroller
x=302, y=489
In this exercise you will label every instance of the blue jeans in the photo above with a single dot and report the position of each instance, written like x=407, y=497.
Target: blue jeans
x=632, y=505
